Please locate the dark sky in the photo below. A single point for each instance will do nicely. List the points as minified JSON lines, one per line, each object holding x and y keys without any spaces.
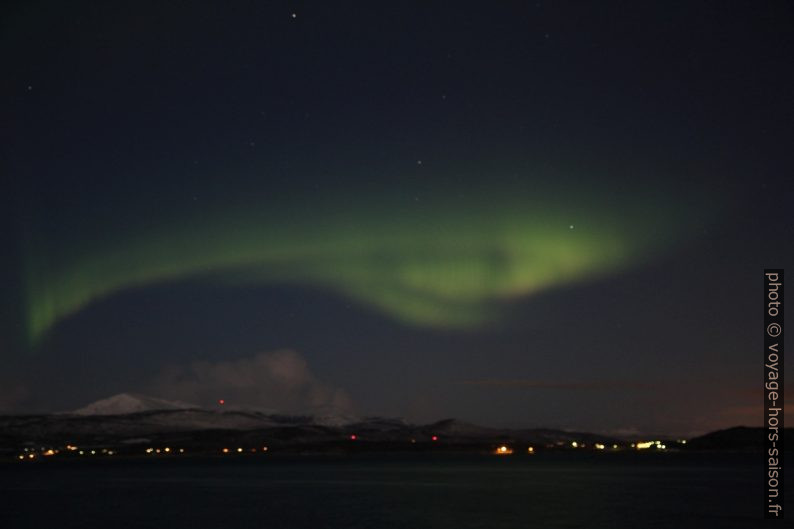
{"x":526,"y":214}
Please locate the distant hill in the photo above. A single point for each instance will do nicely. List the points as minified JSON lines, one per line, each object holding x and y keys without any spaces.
{"x":737,"y":438}
{"x":206,"y":431}
{"x":126,"y":422}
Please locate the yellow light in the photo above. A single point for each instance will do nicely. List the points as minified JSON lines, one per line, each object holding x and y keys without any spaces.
{"x":157,"y":451}
{"x":615,"y":447}
{"x":644,"y":445}
{"x":93,"y":452}
{"x":167,"y":449}
{"x":181,"y":450}
{"x":264,"y":449}
{"x":503,"y":450}
{"x":81,"y":452}
{"x":225,"y":450}
{"x":49,"y":452}
{"x":32,"y":456}
{"x":599,"y":446}
{"x":71,"y":447}
{"x":149,"y":450}
{"x":111,"y":452}
{"x":21,"y":456}
{"x":531,"y":450}
{"x":574,"y":444}
{"x":239,"y":450}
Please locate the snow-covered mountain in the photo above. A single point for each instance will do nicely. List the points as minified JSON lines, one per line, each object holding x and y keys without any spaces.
{"x":135,"y":413}
{"x":124,"y":403}
{"x":128,"y":420}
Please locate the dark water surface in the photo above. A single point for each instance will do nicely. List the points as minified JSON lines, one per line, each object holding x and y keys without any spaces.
{"x":553,"y":490}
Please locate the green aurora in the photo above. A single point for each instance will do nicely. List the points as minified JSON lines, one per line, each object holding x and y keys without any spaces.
{"x":446,"y":260}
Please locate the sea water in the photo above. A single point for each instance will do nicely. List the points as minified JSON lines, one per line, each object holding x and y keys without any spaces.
{"x":443,"y":491}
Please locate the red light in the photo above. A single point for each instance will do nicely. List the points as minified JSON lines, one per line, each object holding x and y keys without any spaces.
{"x":435,"y":438}
{"x":221,"y":402}
{"x":353,"y":437}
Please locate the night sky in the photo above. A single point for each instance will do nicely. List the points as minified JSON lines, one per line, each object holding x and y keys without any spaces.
{"x":517,"y":214}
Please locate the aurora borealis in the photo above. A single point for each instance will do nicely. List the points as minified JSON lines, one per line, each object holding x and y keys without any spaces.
{"x":445,"y":262}
{"x":571,"y":203}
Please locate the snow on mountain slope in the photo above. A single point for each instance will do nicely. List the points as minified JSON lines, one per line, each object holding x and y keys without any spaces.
{"x":130,"y":403}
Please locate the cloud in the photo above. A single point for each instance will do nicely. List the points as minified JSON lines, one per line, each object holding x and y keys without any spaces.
{"x":278,"y":381}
